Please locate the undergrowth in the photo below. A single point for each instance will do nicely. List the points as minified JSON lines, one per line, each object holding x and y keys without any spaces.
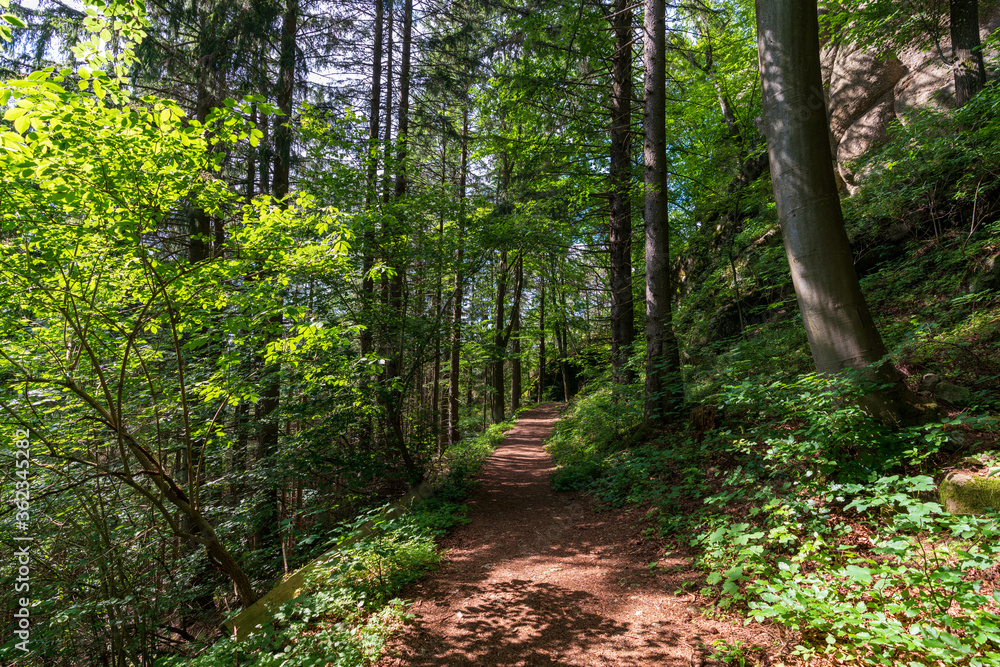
{"x":349,"y":605}
{"x":803,"y":511}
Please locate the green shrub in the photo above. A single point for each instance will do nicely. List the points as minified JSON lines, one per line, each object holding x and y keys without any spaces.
{"x":915,"y":599}
{"x":349,"y":608}
{"x":587,"y":437}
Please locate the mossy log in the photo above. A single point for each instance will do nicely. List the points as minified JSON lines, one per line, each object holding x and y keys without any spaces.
{"x":259,"y":614}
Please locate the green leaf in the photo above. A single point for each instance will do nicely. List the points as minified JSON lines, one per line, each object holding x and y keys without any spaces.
{"x":14,"y":21}
{"x":98,"y":89}
{"x":862,"y":574}
{"x":22,"y":123}
{"x":15,"y":113}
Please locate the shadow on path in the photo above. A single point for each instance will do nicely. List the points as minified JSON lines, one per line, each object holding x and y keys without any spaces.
{"x":538,"y":578}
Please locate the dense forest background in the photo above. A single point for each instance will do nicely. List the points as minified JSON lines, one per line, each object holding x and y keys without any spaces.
{"x":268,"y":264}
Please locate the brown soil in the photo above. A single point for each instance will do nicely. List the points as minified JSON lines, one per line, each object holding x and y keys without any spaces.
{"x":540,"y":577}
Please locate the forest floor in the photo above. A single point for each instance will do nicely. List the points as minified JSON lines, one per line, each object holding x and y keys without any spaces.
{"x":540,"y":577}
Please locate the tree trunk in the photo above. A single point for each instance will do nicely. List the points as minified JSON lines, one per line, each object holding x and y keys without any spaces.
{"x":620,"y":240}
{"x":286,"y":87}
{"x":541,"y":342}
{"x":515,"y":343}
{"x":202,"y":532}
{"x":664,"y":393}
{"x":387,"y":150}
{"x":454,"y":390}
{"x":839,"y":326}
{"x":199,"y":244}
{"x":252,"y":161}
{"x":970,"y":72}
{"x":270,"y":395}
{"x":564,"y":361}
{"x":499,"y":345}
{"x":397,"y":315}
{"x":440,"y":420}
{"x":559,"y":327}
{"x":264,"y":173}
{"x":368,"y":240}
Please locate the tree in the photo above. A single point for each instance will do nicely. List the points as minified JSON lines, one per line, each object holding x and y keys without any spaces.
{"x":114,"y":360}
{"x":454,"y":374}
{"x":267,"y":414}
{"x":664,"y":395}
{"x":620,"y":242}
{"x":841,"y":332}
{"x":970,"y":72}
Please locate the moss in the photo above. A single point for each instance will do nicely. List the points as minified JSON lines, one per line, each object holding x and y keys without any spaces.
{"x":966,"y":493}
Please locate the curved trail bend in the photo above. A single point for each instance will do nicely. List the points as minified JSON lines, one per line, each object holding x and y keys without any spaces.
{"x":538,"y":578}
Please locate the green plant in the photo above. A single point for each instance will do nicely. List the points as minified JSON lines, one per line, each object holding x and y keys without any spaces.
{"x":588,"y":436}
{"x":729,"y":652}
{"x":914,"y":598}
{"x":348,"y":608}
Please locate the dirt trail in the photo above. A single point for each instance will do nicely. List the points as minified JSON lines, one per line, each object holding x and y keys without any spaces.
{"x":538,"y":578}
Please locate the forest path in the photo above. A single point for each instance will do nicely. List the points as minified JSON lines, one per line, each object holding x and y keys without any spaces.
{"x":538,"y":578}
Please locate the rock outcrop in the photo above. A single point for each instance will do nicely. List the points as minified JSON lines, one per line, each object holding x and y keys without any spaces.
{"x":969,"y":493}
{"x":866,"y":92}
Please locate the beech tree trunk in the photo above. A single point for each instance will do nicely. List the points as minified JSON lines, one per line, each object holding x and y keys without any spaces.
{"x":620,"y":236}
{"x":838,"y":323}
{"x":970,"y":72}
{"x":664,"y":392}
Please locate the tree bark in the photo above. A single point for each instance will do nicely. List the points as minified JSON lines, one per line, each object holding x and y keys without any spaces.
{"x":397,"y":314}
{"x":541,"y":341}
{"x":387,"y":149}
{"x":664,"y":392}
{"x":499,"y":344}
{"x":270,"y":395}
{"x":368,"y":239}
{"x":264,"y":173}
{"x":838,"y":323}
{"x":515,"y":343}
{"x":252,"y":161}
{"x":199,"y":239}
{"x":440,"y":420}
{"x":286,"y":88}
{"x":454,"y":390}
{"x":970,"y":72}
{"x":620,"y":236}
{"x":561,"y":347}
